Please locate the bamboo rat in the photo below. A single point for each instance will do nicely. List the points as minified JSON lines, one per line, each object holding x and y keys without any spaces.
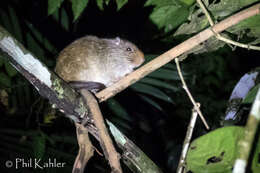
{"x":94,"y":63}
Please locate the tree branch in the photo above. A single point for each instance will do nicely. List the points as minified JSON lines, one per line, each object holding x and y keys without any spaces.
{"x":187,"y":140}
{"x":139,"y":161}
{"x":246,"y":142}
{"x":105,"y":140}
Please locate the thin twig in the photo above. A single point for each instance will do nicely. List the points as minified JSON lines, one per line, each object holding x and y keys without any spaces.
{"x":185,"y":87}
{"x":220,"y":37}
{"x":202,"y":6}
{"x":187,"y":140}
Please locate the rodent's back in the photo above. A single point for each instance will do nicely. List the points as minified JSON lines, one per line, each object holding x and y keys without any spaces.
{"x":99,"y":60}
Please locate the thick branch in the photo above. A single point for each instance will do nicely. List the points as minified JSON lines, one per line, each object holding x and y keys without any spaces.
{"x":105,"y":140}
{"x":176,"y":51}
{"x":245,"y":144}
{"x":139,"y":161}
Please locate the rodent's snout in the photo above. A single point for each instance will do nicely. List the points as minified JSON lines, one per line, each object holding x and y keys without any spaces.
{"x":139,"y":58}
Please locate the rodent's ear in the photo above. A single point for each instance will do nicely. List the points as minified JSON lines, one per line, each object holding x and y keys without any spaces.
{"x":117,"y":40}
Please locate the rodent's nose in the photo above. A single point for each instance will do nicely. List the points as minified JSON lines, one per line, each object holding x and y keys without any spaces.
{"x":139,"y":58}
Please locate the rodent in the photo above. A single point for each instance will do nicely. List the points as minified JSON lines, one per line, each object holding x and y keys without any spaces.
{"x":98,"y":60}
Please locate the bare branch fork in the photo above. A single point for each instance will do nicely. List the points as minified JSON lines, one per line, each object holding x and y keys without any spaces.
{"x":195,"y":112}
{"x":185,"y":87}
{"x":68,"y":101}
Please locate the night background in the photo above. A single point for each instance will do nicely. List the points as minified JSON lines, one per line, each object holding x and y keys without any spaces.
{"x":154,"y":112}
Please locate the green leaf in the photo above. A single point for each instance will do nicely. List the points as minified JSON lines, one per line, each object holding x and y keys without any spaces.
{"x":34,"y":46}
{"x":157,"y":3}
{"x":64,"y":19}
{"x":124,"y":126}
{"x":20,"y":93}
{"x":5,"y":80}
{"x":5,"y":19}
{"x":149,"y":57}
{"x":215,"y":151}
{"x":121,"y":3}
{"x":13,"y":132}
{"x":250,"y":97}
{"x":118,"y":110}
{"x":187,"y":2}
{"x":37,"y":43}
{"x":255,"y":163}
{"x":11,"y":71}
{"x":10,"y":145}
{"x":27,"y":94}
{"x":2,"y":59}
{"x":49,"y":117}
{"x":252,"y":25}
{"x":15,"y":24}
{"x":170,"y":66}
{"x":147,"y":89}
{"x":78,"y":7}
{"x":151,"y":102}
{"x":56,"y":16}
{"x":158,"y":83}
{"x":62,"y":138}
{"x":219,"y":10}
{"x":212,"y":80}
{"x":53,"y":5}
{"x":38,"y":145}
{"x":165,"y":74}
{"x":167,"y":14}
{"x":106,"y":2}
{"x":100,"y":4}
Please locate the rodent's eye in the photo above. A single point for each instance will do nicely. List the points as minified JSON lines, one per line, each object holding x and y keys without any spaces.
{"x":128,"y":49}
